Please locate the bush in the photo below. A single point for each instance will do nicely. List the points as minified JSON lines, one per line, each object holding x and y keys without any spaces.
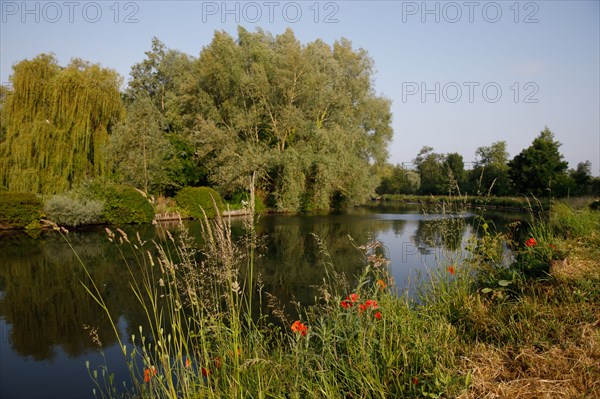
{"x":19,"y":210}
{"x":69,"y":211}
{"x":191,"y":201}
{"x":122,"y":204}
{"x":126,"y":205}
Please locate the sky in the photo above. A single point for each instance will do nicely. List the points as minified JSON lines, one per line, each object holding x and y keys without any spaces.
{"x":460,"y":74}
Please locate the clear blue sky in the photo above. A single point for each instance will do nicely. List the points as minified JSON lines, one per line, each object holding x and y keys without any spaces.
{"x":500,"y":70}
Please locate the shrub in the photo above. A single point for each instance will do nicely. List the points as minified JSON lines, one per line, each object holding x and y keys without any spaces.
{"x":69,"y":211}
{"x":19,"y":210}
{"x":126,"y":205}
{"x":191,"y":201}
{"x":122,"y":204}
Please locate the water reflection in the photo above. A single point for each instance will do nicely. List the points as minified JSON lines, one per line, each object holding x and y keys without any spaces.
{"x":44,"y":307}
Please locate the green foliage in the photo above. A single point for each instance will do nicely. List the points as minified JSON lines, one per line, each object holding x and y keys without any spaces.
{"x":68,"y":210}
{"x":490,"y":174}
{"x":582,"y":179}
{"x":139,"y":150}
{"x":122,"y":204}
{"x":455,"y":169}
{"x":399,"y":180}
{"x":539,"y":169}
{"x":192,"y":200}
{"x":432,"y":172}
{"x":56,"y":122}
{"x":19,"y":210}
{"x":303,"y":119}
{"x":126,"y":205}
{"x":241,"y":199}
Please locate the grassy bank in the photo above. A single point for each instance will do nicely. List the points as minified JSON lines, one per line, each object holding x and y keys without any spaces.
{"x":483,"y":202}
{"x":493,"y":324}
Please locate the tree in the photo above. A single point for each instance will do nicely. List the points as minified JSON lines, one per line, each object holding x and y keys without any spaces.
{"x":302,"y":121}
{"x":432,"y":172}
{"x":57,"y":121}
{"x":140,"y":151}
{"x":490,"y":173}
{"x":539,"y":169}
{"x":582,"y":178}
{"x":455,"y":172}
{"x":399,"y":180}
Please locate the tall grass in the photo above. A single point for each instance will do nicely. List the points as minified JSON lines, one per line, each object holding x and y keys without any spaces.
{"x":361,"y":339}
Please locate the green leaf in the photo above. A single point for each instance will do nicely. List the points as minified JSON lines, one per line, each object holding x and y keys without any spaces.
{"x":504,"y":283}
{"x":486,"y":290}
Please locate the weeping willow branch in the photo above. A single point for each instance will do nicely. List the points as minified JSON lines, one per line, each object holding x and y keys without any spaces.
{"x":57,"y":120}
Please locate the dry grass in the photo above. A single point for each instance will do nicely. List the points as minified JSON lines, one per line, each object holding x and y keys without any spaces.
{"x":572,"y":371}
{"x":568,"y":369}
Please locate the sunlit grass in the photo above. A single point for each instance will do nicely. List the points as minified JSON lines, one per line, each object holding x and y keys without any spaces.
{"x":361,"y":338}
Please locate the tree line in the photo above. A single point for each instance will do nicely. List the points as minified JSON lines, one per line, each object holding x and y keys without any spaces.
{"x":300,"y":122}
{"x":538,"y":170}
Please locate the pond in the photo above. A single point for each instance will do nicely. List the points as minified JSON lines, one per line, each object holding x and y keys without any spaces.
{"x":46,"y":316}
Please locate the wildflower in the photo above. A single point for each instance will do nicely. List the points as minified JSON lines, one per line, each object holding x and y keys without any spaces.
{"x":362,"y":307}
{"x":188,"y":363}
{"x":451,"y":270}
{"x":371,"y":303}
{"x":382,"y":284}
{"x":346,"y":304}
{"x":531,"y":242}
{"x":205,"y":372}
{"x":552,"y":246}
{"x":298,"y":327}
{"x":378,"y":315}
{"x":149,"y":373}
{"x":218,"y":362}
{"x":353,"y":297}
{"x":414,"y":380}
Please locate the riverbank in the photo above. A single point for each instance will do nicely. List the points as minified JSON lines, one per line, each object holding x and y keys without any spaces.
{"x":488,"y":325}
{"x":522,"y":204}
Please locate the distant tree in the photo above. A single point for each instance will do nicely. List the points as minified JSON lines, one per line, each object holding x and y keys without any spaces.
{"x":582,"y":178}
{"x":399,"y":180}
{"x":539,"y":169}
{"x":455,"y":172}
{"x":432,"y":172}
{"x":490,"y":173}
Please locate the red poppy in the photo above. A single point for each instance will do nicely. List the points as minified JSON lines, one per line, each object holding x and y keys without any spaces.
{"x":298,"y":327}
{"x":531,"y":242}
{"x":552,"y":246}
{"x":378,"y":315}
{"x":346,"y":304}
{"x":205,"y":372}
{"x":414,"y":380}
{"x":188,"y":363}
{"x":149,"y":373}
{"x":451,"y":270}
{"x":353,"y":297}
{"x":371,"y":303}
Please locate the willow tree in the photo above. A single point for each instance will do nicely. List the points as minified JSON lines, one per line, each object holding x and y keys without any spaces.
{"x":57,"y":121}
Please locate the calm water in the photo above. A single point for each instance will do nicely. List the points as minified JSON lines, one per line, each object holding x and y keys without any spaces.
{"x":44,"y":309}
